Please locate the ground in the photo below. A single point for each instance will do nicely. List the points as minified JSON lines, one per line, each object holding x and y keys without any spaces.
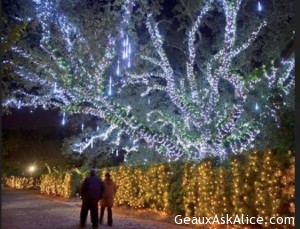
{"x":28,"y":209}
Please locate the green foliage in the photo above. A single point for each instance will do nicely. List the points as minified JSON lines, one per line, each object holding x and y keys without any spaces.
{"x":73,"y":183}
{"x":13,"y":34}
{"x":176,"y":189}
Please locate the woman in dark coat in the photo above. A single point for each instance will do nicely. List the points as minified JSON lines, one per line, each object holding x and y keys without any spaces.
{"x":110,"y":189}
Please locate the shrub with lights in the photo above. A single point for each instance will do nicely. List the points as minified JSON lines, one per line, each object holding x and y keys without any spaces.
{"x":254,"y":184}
{"x":65,"y":184}
{"x":21,"y":182}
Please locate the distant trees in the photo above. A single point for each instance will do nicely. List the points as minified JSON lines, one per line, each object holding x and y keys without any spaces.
{"x":22,"y":148}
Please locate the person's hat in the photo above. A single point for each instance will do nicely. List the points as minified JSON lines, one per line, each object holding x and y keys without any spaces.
{"x":93,"y":171}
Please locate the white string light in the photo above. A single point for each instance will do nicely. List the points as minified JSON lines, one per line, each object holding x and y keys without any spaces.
{"x":110,"y":87}
{"x":259,"y":6}
{"x":63,"y":122}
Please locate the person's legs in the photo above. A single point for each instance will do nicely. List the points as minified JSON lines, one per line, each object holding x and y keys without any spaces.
{"x":83,"y":213}
{"x":101,"y":214}
{"x":94,"y":213}
{"x":109,"y":216}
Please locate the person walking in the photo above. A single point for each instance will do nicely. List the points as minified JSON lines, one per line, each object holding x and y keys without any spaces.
{"x":110,"y":190}
{"x":91,"y":192}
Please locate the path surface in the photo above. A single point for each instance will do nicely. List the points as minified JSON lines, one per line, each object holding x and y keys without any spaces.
{"x":27,"y":209}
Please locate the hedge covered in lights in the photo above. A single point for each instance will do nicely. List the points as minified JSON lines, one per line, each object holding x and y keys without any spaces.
{"x":259,"y":184}
{"x":255,"y":184}
{"x":21,"y":182}
{"x":61,"y":184}
{"x":65,"y":184}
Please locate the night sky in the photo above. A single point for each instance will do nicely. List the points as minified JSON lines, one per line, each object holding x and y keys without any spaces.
{"x":23,"y":118}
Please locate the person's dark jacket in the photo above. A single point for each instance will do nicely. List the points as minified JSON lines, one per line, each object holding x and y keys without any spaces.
{"x":92,"y":188}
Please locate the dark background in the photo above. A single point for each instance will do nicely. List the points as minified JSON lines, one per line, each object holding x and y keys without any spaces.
{"x":31,"y":119}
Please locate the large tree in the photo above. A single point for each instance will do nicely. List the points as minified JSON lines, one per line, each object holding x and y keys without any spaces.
{"x":198,"y":81}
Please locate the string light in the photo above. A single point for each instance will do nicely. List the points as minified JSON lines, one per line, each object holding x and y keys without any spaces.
{"x":63,"y":122}
{"x":110,"y":87}
{"x":118,"y":68}
{"x":128,"y":63}
{"x":259,"y":6}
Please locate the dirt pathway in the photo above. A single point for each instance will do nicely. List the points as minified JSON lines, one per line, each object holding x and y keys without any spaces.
{"x":27,"y":209}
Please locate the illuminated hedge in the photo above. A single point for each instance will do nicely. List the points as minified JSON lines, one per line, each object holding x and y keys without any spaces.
{"x":61,"y":184}
{"x":141,"y":186}
{"x":255,"y":184}
{"x":21,"y":182}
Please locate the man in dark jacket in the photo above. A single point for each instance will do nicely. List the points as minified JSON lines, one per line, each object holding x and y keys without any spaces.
{"x":91,"y":192}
